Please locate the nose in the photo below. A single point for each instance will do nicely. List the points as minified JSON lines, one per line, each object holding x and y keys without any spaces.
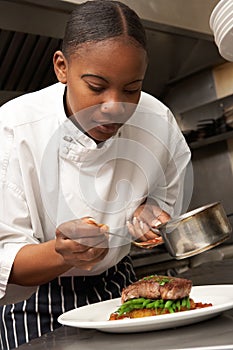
{"x":113,"y":108}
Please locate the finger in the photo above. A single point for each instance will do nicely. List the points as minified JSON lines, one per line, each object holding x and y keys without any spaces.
{"x":104,"y":228}
{"x":145,"y":232}
{"x":100,"y":241}
{"x":151,"y":216}
{"x":135,"y":229}
{"x":160,"y":217}
{"x":77,"y":228}
{"x":147,"y":218}
{"x":91,"y":256}
{"x":87,"y":260}
{"x":155,"y":223}
{"x":155,"y":240}
{"x":94,"y":240}
{"x":89,"y":265}
{"x":146,"y":215}
{"x":144,"y":227}
{"x":89,"y":220}
{"x":154,"y":215}
{"x":81,"y":245}
{"x":60,"y":235}
{"x":151,"y":235}
{"x":69,"y":246}
{"x":131,"y":229}
{"x":138,"y":227}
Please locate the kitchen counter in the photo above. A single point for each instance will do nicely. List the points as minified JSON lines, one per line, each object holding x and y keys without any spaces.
{"x":213,"y":334}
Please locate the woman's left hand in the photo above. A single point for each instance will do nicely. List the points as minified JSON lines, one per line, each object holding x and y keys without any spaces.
{"x":146,"y":217}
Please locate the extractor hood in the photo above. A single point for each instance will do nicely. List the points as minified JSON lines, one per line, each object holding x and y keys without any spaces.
{"x":179,"y":38}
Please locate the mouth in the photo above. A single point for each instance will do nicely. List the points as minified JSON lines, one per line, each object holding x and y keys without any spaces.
{"x":107,"y":128}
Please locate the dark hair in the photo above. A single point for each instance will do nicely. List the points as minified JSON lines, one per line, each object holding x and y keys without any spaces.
{"x":98,"y":20}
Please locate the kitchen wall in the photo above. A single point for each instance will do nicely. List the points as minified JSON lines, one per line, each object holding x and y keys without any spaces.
{"x":198,"y":98}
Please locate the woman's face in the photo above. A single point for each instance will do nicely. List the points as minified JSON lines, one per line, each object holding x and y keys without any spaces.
{"x":104,"y":82}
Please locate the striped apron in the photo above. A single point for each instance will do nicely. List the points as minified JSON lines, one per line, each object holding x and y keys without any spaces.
{"x":21,"y":322}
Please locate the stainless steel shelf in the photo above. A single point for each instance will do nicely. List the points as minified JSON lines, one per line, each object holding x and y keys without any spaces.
{"x":210,"y":140}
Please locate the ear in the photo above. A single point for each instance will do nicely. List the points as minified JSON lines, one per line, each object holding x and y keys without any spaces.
{"x":60,"y":66}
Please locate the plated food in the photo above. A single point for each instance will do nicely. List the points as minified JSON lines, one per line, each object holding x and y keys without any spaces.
{"x":96,"y":316}
{"x":156,"y":295}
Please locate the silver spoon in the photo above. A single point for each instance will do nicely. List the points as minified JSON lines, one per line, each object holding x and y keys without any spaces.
{"x":151,"y":243}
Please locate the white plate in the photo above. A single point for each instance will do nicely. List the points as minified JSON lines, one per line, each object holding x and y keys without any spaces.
{"x":96,"y":316}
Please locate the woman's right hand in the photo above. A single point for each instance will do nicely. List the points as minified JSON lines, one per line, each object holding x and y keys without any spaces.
{"x":82,"y":242}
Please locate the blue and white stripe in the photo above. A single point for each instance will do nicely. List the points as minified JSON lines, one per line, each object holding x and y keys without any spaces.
{"x":21,"y":322}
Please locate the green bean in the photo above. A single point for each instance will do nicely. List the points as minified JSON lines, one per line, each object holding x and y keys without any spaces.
{"x":147,"y":301}
{"x":183,"y":302}
{"x":168,"y":304}
{"x":128,"y":302}
{"x":141,"y":303}
{"x":150,"y":305}
{"x":120,"y":311}
{"x":125,"y":310}
{"x":178,"y":305}
{"x":170,"y":309}
{"x":124,"y":306}
{"x":138,"y":300}
{"x":137,"y":306}
{"x":157,"y":303}
{"x":161,"y":303}
{"x":129,"y":305}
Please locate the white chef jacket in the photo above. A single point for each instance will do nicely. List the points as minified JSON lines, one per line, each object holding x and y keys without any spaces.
{"x":51,"y":172}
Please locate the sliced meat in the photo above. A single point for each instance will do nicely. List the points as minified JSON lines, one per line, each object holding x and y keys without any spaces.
{"x":158,"y":287}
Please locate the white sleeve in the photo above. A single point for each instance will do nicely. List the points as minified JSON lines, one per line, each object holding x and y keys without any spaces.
{"x":15,"y":222}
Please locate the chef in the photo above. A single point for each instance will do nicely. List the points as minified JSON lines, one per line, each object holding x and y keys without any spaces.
{"x":86,"y":158}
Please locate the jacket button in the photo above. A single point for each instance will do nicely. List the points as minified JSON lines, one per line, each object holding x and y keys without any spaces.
{"x":67,"y":138}
{"x":65,"y":150}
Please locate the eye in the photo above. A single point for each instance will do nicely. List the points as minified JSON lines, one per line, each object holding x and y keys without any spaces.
{"x":131,"y":92}
{"x":95,"y":88}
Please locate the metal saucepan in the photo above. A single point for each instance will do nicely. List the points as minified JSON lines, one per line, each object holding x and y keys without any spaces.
{"x":196,"y":231}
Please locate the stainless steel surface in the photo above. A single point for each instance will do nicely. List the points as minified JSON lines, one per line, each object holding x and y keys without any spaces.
{"x":212,"y":333}
{"x":196,"y":231}
{"x":180,"y":14}
{"x":157,"y":260}
{"x":199,"y":91}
